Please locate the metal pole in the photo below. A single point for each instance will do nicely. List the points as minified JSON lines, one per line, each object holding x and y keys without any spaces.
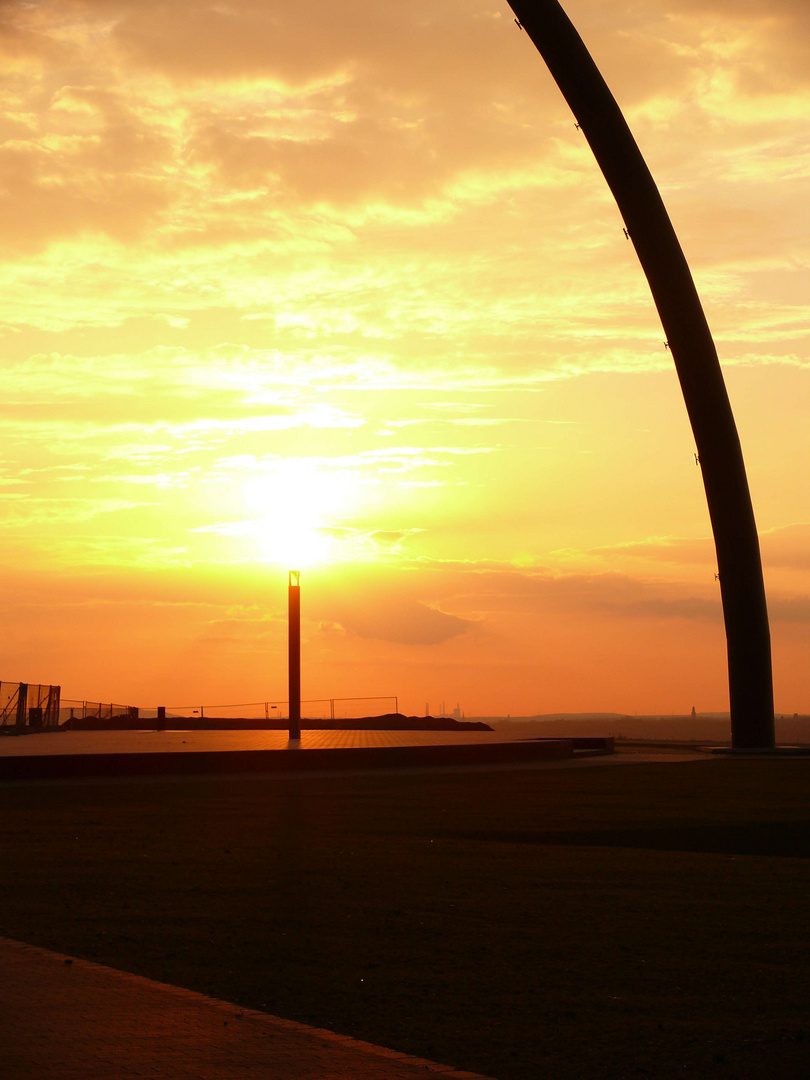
{"x":294,"y":652}
{"x":22,"y":705}
{"x":690,"y":341}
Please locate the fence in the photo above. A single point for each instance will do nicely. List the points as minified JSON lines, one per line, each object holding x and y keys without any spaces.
{"x":97,"y":710}
{"x":325,"y":709}
{"x":316,"y":709}
{"x":32,"y":705}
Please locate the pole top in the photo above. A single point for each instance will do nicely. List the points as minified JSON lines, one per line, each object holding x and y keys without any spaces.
{"x":295,"y":578}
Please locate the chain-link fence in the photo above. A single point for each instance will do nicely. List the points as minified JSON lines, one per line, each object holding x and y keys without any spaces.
{"x":34,"y":706}
{"x":28,"y":705}
{"x":73,"y":709}
{"x":76,"y":713}
{"x":331,"y":709}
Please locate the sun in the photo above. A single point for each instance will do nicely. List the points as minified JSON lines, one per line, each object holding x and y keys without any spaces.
{"x":293,"y":546}
{"x":296,"y":502}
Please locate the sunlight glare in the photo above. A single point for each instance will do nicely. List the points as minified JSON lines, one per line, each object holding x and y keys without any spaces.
{"x":295,"y":499}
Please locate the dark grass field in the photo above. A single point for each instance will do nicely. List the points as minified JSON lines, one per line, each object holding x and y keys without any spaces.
{"x":621,"y":921}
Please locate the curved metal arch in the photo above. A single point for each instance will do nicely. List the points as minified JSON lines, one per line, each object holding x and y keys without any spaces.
{"x":739,"y":561}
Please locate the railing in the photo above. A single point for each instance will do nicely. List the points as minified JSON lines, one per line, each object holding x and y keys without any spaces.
{"x":314,"y":709}
{"x":34,"y":706}
{"x":326,"y":709}
{"x":97,"y":710}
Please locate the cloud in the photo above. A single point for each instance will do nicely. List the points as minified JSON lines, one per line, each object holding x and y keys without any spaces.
{"x":330,"y":102}
{"x":787,"y":547}
{"x":608,"y":594}
{"x":401,"y":621}
{"x":491,"y":591}
{"x":348,"y":177}
{"x":792,"y":609}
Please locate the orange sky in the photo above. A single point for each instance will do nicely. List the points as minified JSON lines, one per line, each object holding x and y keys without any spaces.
{"x":338,"y":284}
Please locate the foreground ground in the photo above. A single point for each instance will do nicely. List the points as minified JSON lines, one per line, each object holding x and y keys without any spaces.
{"x":617,"y":921}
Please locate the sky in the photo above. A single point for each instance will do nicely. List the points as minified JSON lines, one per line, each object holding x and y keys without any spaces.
{"x":337,"y":286}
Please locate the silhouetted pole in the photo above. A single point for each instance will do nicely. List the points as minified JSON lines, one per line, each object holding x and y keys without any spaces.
{"x":688,"y":337}
{"x":294,"y":647}
{"x":22,"y":705}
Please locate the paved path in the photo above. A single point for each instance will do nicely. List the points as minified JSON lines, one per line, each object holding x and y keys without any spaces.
{"x":176,"y":742}
{"x":67,"y":1019}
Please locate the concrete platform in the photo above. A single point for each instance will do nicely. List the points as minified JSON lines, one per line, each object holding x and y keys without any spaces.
{"x":68,"y":1019}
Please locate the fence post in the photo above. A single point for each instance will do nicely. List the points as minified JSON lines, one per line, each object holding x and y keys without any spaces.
{"x":22,"y":704}
{"x":54,"y":696}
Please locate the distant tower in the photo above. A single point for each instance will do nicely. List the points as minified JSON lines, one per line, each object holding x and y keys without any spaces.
{"x":694,"y":714}
{"x":294,"y":651}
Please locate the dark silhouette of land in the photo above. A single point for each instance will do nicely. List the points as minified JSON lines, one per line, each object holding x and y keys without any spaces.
{"x":386,"y":722}
{"x":581,"y":922}
{"x":704,"y":728}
